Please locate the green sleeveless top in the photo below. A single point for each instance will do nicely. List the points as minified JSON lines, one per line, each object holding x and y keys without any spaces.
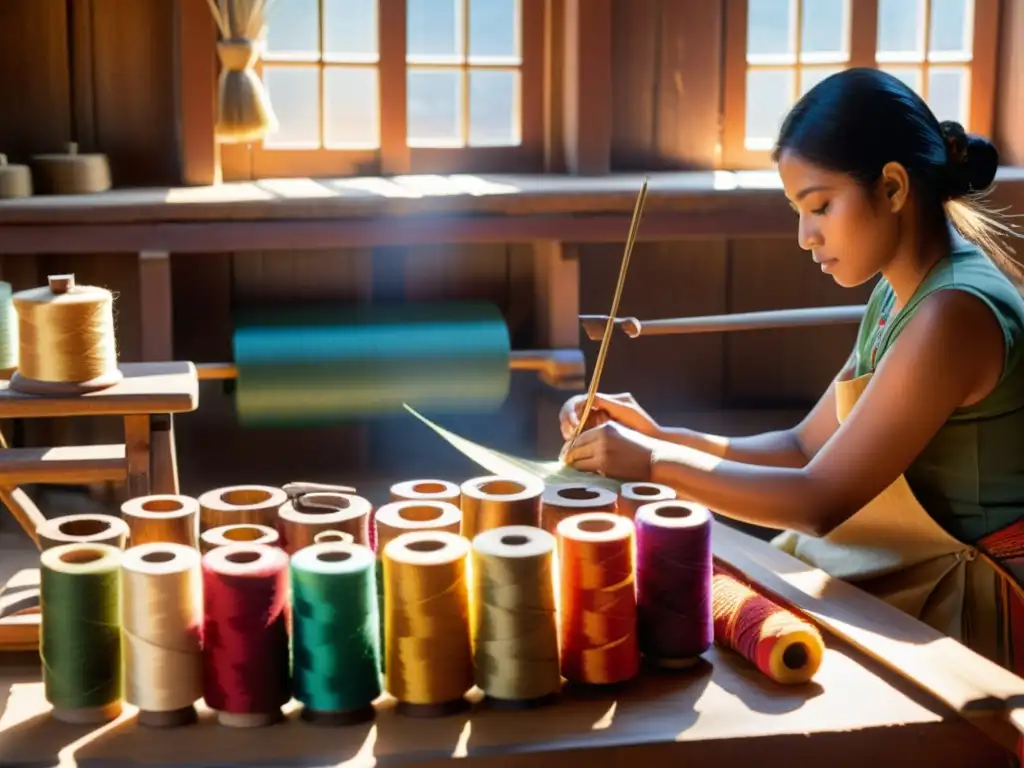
{"x":970,"y":477}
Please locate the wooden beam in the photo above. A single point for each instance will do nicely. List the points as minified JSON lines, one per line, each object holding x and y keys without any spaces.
{"x":1009,"y":100}
{"x":587,"y":81}
{"x":195,"y":69}
{"x":62,"y":465}
{"x":557,"y":291}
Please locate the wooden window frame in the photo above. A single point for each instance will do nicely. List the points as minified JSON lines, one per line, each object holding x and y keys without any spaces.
{"x":863,"y":28}
{"x":394,"y":157}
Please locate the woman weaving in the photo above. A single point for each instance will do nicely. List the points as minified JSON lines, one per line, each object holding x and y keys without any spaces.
{"x":902,"y":492}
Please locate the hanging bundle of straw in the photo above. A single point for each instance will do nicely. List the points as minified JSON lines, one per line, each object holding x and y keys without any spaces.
{"x":244,"y":112}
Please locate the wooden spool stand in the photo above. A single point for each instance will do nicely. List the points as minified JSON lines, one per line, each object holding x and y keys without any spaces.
{"x":146,"y":398}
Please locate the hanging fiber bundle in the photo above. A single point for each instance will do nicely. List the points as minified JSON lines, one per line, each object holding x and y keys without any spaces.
{"x":244,"y":113}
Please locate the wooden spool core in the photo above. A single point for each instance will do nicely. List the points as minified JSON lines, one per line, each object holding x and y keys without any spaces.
{"x":72,"y":173}
{"x":15,"y":180}
{"x":83,"y":529}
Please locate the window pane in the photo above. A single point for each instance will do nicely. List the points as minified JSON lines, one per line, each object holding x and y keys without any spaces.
{"x":909,"y":75}
{"x":947,"y":93}
{"x":769,"y":97}
{"x":295,"y":96}
{"x":493,"y":27}
{"x":434,"y":111}
{"x":293,"y":29}
{"x":951,"y":27}
{"x":350,"y":28}
{"x":824,"y":30}
{"x":810,"y":77}
{"x":351,"y":111}
{"x":770,"y":30}
{"x":493,"y":108}
{"x":434,"y":29}
{"x":900,"y":30}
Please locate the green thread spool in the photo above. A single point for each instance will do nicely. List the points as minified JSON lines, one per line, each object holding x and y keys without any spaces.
{"x":80,"y":638}
{"x":336,"y":649}
{"x":307,"y":365}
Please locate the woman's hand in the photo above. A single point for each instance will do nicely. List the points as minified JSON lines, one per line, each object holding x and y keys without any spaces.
{"x":619,"y":408}
{"x":613,"y":450}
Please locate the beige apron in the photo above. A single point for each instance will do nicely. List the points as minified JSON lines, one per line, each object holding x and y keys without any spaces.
{"x":893,"y":549}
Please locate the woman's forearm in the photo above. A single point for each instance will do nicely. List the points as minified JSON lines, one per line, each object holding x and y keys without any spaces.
{"x":770,"y":449}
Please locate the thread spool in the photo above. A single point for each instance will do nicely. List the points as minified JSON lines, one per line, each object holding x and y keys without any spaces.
{"x":515,"y":623}
{"x":71,"y":173}
{"x":244,"y":533}
{"x":673,"y":582}
{"x":15,"y":180}
{"x":398,"y":517}
{"x":66,"y":342}
{"x":310,"y":365}
{"x":597,"y":599}
{"x":8,"y":328}
{"x":334,"y":537}
{"x":632,"y":496}
{"x":779,"y":643}
{"x":83,"y":529}
{"x":492,"y":502}
{"x":246,"y":664}
{"x":80,"y":633}
{"x":161,"y":621}
{"x":301,"y":518}
{"x":161,"y":518}
{"x":428,"y":651}
{"x":237,"y":504}
{"x":561,"y":501}
{"x":335,"y":632}
{"x":426,"y":490}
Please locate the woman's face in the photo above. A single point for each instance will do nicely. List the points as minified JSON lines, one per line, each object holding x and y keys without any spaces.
{"x":852,"y":232}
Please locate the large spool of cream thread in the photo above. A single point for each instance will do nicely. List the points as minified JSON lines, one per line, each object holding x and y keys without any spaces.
{"x":254,"y":504}
{"x":243,"y":533}
{"x":83,"y":529}
{"x":161,"y":621}
{"x":421,"y":490}
{"x":71,"y":173}
{"x":632,"y":496}
{"x":561,"y":501}
{"x":597,"y":599}
{"x":493,"y":502}
{"x":310,"y":365}
{"x":66,"y":342}
{"x":515,"y":623}
{"x":673,"y":582}
{"x":428,"y":650}
{"x":782,"y":645}
{"x":301,"y":518}
{"x":246,"y":661}
{"x":335,"y":633}
{"x":161,"y":518}
{"x":80,"y":634}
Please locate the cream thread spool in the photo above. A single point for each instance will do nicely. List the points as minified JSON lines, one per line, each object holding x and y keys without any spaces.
{"x":632,"y":496}
{"x":426,"y":490}
{"x":72,"y":173}
{"x":562,"y":501}
{"x":493,"y":502}
{"x":83,"y":529}
{"x":243,"y":533}
{"x":161,"y":517}
{"x":66,"y":340}
{"x":161,"y":620}
{"x":398,"y":517}
{"x":15,"y":180}
{"x":301,"y":518}
{"x":253,"y":504}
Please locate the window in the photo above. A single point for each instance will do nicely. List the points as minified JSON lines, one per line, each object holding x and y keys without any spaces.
{"x":397,"y":86}
{"x":776,"y":50}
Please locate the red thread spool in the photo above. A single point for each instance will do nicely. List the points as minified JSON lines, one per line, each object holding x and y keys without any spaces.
{"x":598,"y":601}
{"x":779,"y":643}
{"x":246,"y":671}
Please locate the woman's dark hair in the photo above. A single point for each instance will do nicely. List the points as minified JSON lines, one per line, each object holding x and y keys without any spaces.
{"x":856,"y":121}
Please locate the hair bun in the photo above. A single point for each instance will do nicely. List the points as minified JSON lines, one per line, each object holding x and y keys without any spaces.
{"x":971,"y":161}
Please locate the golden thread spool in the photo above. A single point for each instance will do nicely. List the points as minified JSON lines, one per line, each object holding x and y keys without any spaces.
{"x":425,"y":490}
{"x":71,"y":173}
{"x":427,"y":642}
{"x":15,"y":180}
{"x":161,"y":621}
{"x":561,"y":501}
{"x":237,"y":504}
{"x":301,"y":518}
{"x":492,"y":502}
{"x":243,"y":533}
{"x":161,"y":518}
{"x":515,"y":622}
{"x":83,"y":529}
{"x":398,"y":517}
{"x":632,"y":496}
{"x":66,"y":341}
{"x":334,"y":537}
